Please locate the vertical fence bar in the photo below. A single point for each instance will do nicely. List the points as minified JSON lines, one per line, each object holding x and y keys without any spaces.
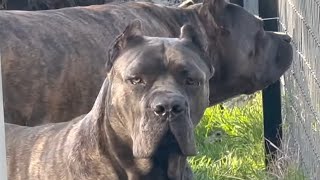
{"x":3,"y":161}
{"x":272,"y":95}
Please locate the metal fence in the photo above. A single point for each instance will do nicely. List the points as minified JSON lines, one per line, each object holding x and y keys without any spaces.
{"x":301,"y":85}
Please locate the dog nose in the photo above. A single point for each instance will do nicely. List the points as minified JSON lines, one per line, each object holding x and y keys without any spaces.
{"x":283,"y":36}
{"x":173,"y":105}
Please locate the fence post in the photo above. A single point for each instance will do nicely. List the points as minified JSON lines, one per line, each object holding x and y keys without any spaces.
{"x":272,"y":95}
{"x":3,"y":160}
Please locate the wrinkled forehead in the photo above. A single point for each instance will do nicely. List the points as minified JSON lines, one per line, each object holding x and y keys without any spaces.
{"x":161,"y":54}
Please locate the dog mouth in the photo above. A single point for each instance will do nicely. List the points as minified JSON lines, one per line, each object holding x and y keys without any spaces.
{"x":284,"y":57}
{"x":165,"y":136}
{"x":180,"y":136}
{"x":169,"y":144}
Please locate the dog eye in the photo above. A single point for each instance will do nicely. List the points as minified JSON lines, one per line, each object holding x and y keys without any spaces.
{"x":136,"y":80}
{"x":192,"y":82}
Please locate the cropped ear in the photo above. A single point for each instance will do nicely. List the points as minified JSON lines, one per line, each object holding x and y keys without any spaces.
{"x":132,"y":31}
{"x":188,"y":32}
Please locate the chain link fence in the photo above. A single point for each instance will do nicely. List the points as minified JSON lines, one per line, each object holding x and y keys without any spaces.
{"x":301,"y":85}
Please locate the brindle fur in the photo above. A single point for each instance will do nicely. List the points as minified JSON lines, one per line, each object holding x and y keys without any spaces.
{"x":53,"y":61}
{"x":122,"y":137}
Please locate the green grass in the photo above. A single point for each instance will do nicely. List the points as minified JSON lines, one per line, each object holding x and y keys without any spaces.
{"x":230,"y":144}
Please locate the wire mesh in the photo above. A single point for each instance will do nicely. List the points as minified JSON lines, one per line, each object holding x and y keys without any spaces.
{"x":301,"y":84}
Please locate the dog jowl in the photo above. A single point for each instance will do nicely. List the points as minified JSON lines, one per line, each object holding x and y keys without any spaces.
{"x":141,"y":125}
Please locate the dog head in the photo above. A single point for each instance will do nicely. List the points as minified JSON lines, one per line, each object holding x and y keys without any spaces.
{"x":248,"y":58}
{"x":159,"y":89}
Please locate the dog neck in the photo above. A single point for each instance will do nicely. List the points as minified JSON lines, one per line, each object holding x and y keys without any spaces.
{"x":88,"y":156}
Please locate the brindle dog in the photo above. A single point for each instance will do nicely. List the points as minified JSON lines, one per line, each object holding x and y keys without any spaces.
{"x":53,"y":61}
{"x":141,"y":125}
